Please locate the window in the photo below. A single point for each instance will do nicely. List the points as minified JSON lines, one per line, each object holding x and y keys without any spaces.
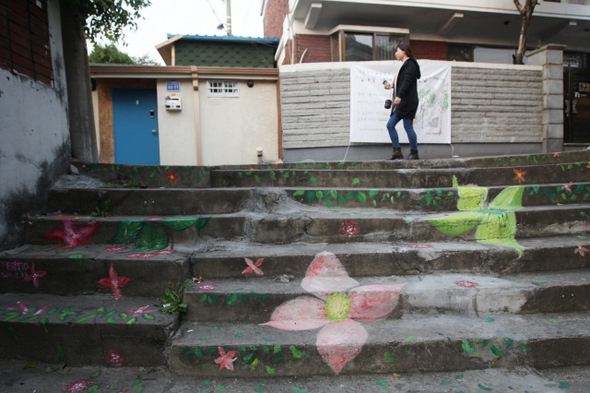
{"x":223,"y":89}
{"x":355,"y":43}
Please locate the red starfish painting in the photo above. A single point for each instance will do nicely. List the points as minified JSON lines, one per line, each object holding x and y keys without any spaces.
{"x":225,"y":360}
{"x":72,"y":234}
{"x":114,"y":282}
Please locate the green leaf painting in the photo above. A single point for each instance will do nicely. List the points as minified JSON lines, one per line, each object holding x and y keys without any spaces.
{"x":496,"y":224}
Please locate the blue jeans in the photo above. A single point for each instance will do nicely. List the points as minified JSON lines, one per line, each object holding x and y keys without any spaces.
{"x":408,"y":125}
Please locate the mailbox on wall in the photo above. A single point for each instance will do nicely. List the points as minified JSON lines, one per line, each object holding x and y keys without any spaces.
{"x":173,"y":103}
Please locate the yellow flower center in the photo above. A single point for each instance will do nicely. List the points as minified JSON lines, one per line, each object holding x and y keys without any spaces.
{"x":338,"y":306}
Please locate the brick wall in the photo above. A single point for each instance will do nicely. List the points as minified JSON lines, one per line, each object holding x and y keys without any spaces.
{"x":287,"y":59}
{"x":276,"y":10}
{"x":429,"y":50}
{"x":318,"y":48}
{"x":24,"y":39}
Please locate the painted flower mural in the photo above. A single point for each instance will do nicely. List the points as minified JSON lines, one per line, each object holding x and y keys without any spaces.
{"x":114,"y":282}
{"x":519,"y":175}
{"x":254,"y":267}
{"x":34,"y":276}
{"x":496,"y":223}
{"x":338,"y":306}
{"x":77,"y":387}
{"x":72,"y":234}
{"x":349,"y":228}
{"x":115,"y":358}
{"x":225,"y":360}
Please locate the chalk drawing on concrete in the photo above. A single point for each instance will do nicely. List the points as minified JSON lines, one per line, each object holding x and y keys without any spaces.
{"x":115,"y":358}
{"x":72,"y":234}
{"x":77,"y":386}
{"x":35,"y":276}
{"x":226,"y":360}
{"x":254,"y":267}
{"x":151,"y":235}
{"x":349,"y":228}
{"x":581,"y":250}
{"x":466,"y":284}
{"x":495,"y":224}
{"x":337,"y":307}
{"x":519,"y":175}
{"x":114,"y":282}
{"x":172,"y":176}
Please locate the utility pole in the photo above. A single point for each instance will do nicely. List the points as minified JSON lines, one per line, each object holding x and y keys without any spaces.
{"x":228,"y":20}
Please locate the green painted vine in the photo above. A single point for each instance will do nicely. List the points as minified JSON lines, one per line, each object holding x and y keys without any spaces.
{"x":232,"y":298}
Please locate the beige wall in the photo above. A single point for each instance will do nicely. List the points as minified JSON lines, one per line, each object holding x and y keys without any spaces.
{"x":233,"y":128}
{"x":178,"y":139}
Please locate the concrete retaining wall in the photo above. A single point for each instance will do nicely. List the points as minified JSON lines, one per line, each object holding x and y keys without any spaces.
{"x":490,"y":104}
{"x":35,"y":145}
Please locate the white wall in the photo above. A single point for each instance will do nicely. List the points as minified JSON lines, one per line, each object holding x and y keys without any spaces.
{"x":233,"y":128}
{"x":177,"y":135}
{"x":35,"y":144}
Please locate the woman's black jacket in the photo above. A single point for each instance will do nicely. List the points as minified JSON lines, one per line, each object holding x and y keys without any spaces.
{"x":407,"y":89}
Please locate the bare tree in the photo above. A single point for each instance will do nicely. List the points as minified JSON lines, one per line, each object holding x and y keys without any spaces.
{"x":526,"y":12}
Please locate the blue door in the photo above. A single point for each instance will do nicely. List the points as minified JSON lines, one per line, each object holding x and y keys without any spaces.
{"x":135,"y":126}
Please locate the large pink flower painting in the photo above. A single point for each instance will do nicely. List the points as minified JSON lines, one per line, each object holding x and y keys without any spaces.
{"x":340,"y":303}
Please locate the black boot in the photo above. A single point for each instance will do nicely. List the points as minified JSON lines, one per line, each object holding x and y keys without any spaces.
{"x":413,"y":155}
{"x":397,"y":154}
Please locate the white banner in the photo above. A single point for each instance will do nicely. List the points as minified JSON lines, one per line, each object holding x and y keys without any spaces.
{"x":368,"y":117}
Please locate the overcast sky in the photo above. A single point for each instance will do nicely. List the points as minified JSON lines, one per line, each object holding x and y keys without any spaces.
{"x":194,"y":17}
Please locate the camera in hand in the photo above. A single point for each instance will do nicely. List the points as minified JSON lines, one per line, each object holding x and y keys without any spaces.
{"x":388,"y":104}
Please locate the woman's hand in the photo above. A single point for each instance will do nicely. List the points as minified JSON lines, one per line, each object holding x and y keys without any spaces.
{"x":397,"y":101}
{"x":388,"y":87}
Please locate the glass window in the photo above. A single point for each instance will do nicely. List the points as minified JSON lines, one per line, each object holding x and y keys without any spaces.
{"x":368,"y":46}
{"x":223,"y":89}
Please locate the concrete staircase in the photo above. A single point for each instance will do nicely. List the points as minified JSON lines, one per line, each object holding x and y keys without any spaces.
{"x":309,"y":269}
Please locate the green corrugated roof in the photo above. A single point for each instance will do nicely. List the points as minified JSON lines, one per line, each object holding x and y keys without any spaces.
{"x":218,"y":53}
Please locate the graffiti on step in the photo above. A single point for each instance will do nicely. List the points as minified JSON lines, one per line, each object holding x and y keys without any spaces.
{"x":180,"y":173}
{"x":349,"y":228}
{"x":25,"y":313}
{"x":96,"y":383}
{"x":495,"y":224}
{"x":153,"y":235}
{"x":254,"y":267}
{"x":114,"y":282}
{"x":72,"y":234}
{"x":14,"y":269}
{"x":340,"y":304}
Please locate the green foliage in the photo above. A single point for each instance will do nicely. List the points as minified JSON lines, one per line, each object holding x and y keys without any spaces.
{"x":172,"y":301}
{"x":105,"y":211}
{"x":109,"y":54}
{"x":133,"y":184}
{"x":106,"y":18}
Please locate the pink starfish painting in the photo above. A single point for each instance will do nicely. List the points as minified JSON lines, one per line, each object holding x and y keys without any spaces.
{"x":72,"y":234}
{"x":34,"y":276}
{"x":114,"y":282}
{"x":253,"y":267}
{"x":225,"y":360}
{"x":337,"y":308}
{"x":140,"y":310}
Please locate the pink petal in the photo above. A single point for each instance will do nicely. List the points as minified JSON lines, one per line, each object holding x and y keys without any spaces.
{"x":259,"y":261}
{"x":373,"y":302}
{"x":302,"y":313}
{"x":326,"y":275}
{"x":340,"y":342}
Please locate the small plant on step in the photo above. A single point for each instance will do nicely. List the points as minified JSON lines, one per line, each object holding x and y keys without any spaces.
{"x":171,"y":301}
{"x":104,"y":212}
{"x":133,"y":184}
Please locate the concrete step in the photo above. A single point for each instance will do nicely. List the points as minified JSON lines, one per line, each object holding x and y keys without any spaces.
{"x":84,"y":330}
{"x":445,"y":199}
{"x":517,"y":379}
{"x":78,"y":270}
{"x":226,"y":260}
{"x":255,"y":299}
{"x":151,"y":176}
{"x":379,"y":225}
{"x":147,"y":233}
{"x":313,"y":225}
{"x":402,"y":178}
{"x":410,"y":344}
{"x":185,"y":201}
{"x":23,"y":377}
{"x":219,"y":201}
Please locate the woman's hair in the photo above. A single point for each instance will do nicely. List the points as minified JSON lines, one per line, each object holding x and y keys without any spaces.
{"x":406,"y":48}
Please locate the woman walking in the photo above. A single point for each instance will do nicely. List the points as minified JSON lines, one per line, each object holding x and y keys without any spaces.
{"x":405,"y":103}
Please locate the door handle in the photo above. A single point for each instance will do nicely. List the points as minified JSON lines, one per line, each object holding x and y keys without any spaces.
{"x":154,"y":132}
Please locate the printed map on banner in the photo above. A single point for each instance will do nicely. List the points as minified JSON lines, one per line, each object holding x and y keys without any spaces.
{"x":368,"y":117}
